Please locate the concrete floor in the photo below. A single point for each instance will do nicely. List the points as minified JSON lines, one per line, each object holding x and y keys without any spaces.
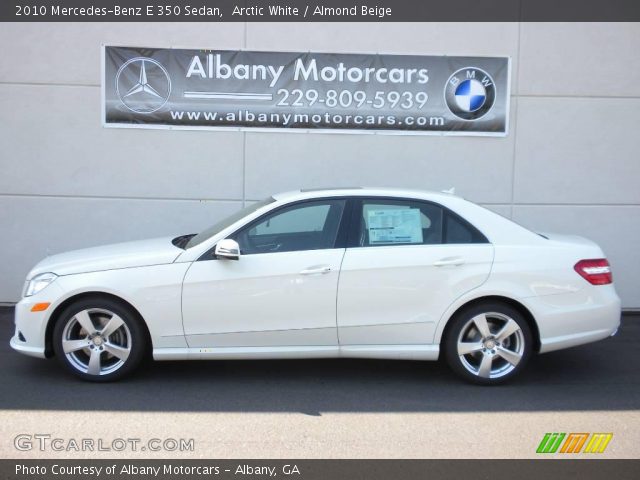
{"x":328,"y":408}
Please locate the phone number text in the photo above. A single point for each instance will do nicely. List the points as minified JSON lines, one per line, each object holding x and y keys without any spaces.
{"x":347,"y":99}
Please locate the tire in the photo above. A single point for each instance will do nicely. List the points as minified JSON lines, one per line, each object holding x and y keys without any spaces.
{"x":488,"y":344}
{"x":113,"y":348}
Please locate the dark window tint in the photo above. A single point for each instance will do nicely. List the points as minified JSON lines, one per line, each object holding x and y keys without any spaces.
{"x":304,"y":226}
{"x":412,"y":222}
{"x":459,"y":231}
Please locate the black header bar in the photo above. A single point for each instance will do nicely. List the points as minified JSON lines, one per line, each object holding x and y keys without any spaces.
{"x":319,"y":11}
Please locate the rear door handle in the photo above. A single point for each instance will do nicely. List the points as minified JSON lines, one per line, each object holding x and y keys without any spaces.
{"x":320,"y":270}
{"x":449,"y":261}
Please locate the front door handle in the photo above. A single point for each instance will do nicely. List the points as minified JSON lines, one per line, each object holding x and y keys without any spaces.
{"x":319,"y":270}
{"x":449,"y":261}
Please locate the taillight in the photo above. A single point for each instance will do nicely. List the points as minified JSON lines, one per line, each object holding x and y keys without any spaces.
{"x":596,"y":271}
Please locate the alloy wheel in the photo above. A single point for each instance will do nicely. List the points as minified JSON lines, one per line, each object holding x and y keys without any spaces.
{"x":490,"y":345}
{"x":96,"y":341}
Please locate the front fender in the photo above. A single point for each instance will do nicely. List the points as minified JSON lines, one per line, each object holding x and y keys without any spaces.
{"x":154,"y":291}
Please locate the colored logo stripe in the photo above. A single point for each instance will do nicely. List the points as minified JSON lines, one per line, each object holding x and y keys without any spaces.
{"x":550,"y":443}
{"x":598,"y":442}
{"x":574,"y":442}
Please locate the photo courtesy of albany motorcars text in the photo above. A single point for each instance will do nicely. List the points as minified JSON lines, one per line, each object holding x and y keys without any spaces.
{"x":352,"y":272}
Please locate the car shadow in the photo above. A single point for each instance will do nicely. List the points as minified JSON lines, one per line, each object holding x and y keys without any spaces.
{"x":601,"y":376}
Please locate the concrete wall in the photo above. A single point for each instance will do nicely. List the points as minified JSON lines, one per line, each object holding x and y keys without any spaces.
{"x":569,"y":164}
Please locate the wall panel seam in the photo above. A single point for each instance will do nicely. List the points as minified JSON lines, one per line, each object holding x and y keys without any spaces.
{"x":106,"y":197}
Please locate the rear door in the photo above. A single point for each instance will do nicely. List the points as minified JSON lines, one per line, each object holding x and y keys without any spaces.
{"x":407,"y":261}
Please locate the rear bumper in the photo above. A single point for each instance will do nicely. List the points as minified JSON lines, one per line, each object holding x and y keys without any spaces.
{"x":576,"y":318}
{"x":567,"y":341}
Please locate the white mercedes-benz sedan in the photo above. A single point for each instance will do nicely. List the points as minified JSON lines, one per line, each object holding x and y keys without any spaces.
{"x":353,"y":272}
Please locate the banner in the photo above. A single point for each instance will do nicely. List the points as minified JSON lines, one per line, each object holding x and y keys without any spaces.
{"x":305,"y":91}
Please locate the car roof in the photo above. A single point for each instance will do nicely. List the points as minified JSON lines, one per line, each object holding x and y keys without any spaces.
{"x":360,"y":192}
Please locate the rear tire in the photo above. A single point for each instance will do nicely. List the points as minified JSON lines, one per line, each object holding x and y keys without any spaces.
{"x":99,"y":340}
{"x":488,"y":344}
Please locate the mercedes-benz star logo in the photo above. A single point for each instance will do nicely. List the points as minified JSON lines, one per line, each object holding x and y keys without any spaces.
{"x":143,"y":85}
{"x":470,"y":93}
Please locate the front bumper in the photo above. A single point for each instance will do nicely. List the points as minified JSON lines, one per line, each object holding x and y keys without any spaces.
{"x":22,"y":347}
{"x":30,"y":333}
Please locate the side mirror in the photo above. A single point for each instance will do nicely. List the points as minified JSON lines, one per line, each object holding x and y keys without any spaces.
{"x":228,"y":248}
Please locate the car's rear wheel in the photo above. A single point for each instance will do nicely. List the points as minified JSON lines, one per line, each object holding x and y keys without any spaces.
{"x":488,"y":344}
{"x":99,"y":340}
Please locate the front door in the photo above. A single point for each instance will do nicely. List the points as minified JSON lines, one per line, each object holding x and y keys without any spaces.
{"x":282,"y":290}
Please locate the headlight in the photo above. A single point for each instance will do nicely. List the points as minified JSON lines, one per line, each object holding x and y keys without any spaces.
{"x":39,"y":283}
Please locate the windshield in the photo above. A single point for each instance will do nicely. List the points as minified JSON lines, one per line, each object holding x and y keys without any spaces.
{"x":230,"y":220}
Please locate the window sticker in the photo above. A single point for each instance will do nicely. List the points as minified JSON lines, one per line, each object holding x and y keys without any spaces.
{"x":393,"y":226}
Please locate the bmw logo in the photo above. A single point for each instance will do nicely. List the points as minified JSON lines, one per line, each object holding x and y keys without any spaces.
{"x":470,"y":93}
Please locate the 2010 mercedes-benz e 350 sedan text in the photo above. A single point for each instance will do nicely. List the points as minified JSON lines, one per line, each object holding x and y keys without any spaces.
{"x":368,"y":273}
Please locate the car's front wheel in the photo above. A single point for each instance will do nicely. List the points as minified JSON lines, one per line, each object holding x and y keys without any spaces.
{"x":99,"y":339}
{"x":488,"y":344}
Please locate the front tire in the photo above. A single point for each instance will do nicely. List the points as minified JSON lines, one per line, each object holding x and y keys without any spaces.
{"x":99,"y":340}
{"x":488,"y":344}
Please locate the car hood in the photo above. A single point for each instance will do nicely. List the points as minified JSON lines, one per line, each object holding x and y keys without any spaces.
{"x":110,"y":257}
